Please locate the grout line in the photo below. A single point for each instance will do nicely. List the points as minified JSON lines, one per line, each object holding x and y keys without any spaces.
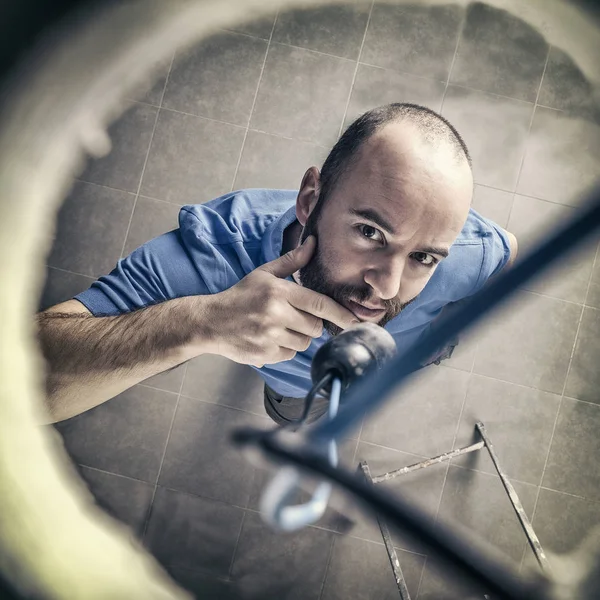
{"x":437,"y":511}
{"x":494,"y":94}
{"x":341,"y":129}
{"x":137,"y":194}
{"x":242,"y":410}
{"x":235,"y":548}
{"x":262,"y":70}
{"x":103,"y":185}
{"x":162,"y":460}
{"x":537,"y":96}
{"x":421,"y":577}
{"x":592,"y":500}
{"x":315,"y":52}
{"x":447,"y":82}
{"x":587,"y":294}
{"x":72,"y":272}
{"x":538,"y":198}
{"x":560,"y":404}
{"x":327,"y":564}
{"x":115,"y":474}
{"x":460,"y":416}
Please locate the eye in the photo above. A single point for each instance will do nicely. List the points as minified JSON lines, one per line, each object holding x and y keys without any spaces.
{"x":370,"y":232}
{"x":425,"y":259}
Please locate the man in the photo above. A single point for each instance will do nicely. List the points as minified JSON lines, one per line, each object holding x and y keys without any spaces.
{"x":384,"y":233}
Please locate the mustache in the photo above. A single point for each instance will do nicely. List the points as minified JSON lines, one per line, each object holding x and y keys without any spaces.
{"x":362,"y":294}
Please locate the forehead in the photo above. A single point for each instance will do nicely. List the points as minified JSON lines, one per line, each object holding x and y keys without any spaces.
{"x":413,"y":183}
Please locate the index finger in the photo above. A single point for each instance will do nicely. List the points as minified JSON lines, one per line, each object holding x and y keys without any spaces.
{"x":322,"y":306}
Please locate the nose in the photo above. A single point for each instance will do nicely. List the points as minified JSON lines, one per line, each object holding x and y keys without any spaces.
{"x":385,"y":278}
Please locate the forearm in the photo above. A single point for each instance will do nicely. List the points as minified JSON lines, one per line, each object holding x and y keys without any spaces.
{"x":92,"y":359}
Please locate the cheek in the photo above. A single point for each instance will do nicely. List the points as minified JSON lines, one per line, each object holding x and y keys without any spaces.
{"x":343,"y":267}
{"x":413,"y":283}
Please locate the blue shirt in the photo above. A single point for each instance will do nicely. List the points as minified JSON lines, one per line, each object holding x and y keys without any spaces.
{"x":221,"y":241}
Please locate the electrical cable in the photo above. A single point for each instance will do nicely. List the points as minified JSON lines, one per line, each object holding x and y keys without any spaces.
{"x":277,"y":501}
{"x":308,"y":401}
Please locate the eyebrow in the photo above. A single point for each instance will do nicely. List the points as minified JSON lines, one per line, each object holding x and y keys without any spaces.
{"x":372,"y":215}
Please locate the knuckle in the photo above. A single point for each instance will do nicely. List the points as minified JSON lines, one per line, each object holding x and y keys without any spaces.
{"x":317,"y":329}
{"x":319,"y":304}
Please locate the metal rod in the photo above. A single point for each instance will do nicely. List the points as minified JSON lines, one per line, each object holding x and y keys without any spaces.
{"x":427,"y":463}
{"x":532,"y":538}
{"x":387,"y":540}
{"x":483,"y":565}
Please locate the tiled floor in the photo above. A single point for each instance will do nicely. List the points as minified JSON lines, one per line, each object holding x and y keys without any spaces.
{"x":256,"y":108}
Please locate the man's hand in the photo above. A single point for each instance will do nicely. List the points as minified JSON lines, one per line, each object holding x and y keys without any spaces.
{"x":265,"y":319}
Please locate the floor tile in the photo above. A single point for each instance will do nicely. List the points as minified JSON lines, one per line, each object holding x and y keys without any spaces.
{"x":153,"y":93}
{"x":185,"y":166}
{"x":91,"y":228}
{"x":495,"y":130}
{"x":257,"y":25}
{"x":413,"y":39}
{"x":593,"y":296}
{"x":336,"y":29}
{"x":562,"y":159}
{"x":583,"y":381}
{"x":565,"y":87}
{"x":572,"y":464}
{"x":499,"y":53}
{"x":493,"y":204}
{"x":430,"y":403}
{"x":441,"y":583}
{"x":423,"y":487}
{"x":217,"y":78}
{"x":274,"y":162}
{"x":128,"y":500}
{"x":202,"y":585}
{"x":169,"y":380}
{"x":61,"y":286}
{"x":361,"y":570}
{"x":130,"y":137}
{"x":283,"y":566}
{"x":533,"y":221}
{"x":194,"y":533}
{"x":528,"y":341}
{"x":150,"y":219}
{"x":562,"y":523}
{"x":463,"y":356}
{"x":126,"y":435}
{"x":519,"y":421}
{"x":201,"y":458}
{"x":375,"y":86}
{"x":297,"y":83}
{"x":479,"y":503}
{"x":218,"y":380}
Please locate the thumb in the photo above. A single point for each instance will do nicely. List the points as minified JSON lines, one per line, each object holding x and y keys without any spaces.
{"x":291,"y":261}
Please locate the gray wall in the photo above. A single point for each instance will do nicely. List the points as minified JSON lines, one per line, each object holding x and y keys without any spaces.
{"x":255,"y":108}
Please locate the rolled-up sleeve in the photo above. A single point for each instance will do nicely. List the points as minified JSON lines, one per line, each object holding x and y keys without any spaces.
{"x":157,"y":271}
{"x":496,"y":253}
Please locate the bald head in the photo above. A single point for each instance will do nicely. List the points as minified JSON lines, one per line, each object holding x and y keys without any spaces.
{"x":403,"y":159}
{"x":433,"y":129}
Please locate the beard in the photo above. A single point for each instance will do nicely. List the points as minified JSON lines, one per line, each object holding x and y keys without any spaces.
{"x":317,"y":276}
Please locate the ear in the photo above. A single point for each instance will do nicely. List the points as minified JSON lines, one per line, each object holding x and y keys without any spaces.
{"x":308,"y":196}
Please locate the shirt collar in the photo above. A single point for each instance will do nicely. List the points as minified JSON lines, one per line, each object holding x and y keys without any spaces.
{"x":273,"y":238}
